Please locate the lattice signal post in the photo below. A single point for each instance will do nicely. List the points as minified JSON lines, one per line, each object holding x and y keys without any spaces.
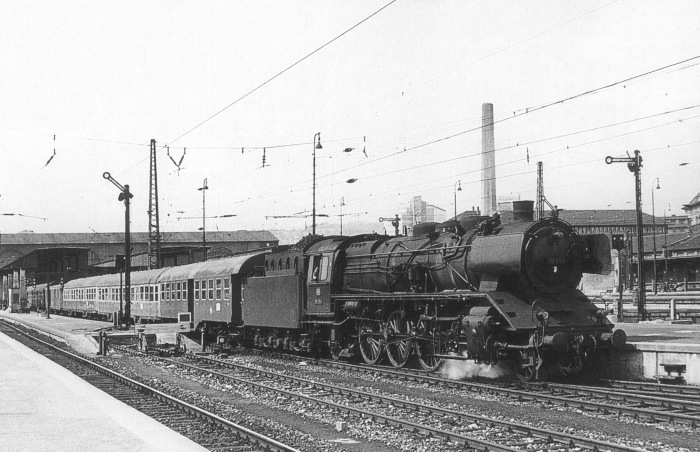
{"x":634,"y":164}
{"x":153,"y":222}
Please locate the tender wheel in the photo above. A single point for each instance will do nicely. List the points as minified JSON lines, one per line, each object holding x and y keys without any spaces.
{"x":427,"y":346}
{"x":370,"y":339}
{"x":399,"y":344}
{"x":528,"y":363}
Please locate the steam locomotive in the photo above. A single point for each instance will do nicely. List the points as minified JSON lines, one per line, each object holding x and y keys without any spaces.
{"x":478,"y":289}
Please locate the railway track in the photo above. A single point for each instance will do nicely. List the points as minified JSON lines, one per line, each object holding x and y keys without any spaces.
{"x":640,"y":401}
{"x":676,"y":391}
{"x":207,"y":429}
{"x":451,"y":425}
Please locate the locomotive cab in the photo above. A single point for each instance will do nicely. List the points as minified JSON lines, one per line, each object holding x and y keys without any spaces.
{"x":320,"y":276}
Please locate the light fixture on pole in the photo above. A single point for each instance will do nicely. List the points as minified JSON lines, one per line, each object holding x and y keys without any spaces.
{"x":317,"y":145}
{"x":653,"y":220}
{"x":125,"y":196}
{"x":203,"y":189}
{"x":342,"y":203}
{"x":458,"y":187}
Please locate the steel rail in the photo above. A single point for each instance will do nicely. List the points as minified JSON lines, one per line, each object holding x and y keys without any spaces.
{"x":255,"y":437}
{"x":549,"y":437}
{"x":666,"y":402}
{"x":604,"y":407}
{"x":657,"y":388}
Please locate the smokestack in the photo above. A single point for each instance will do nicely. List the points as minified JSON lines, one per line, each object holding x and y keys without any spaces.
{"x":488,"y":161}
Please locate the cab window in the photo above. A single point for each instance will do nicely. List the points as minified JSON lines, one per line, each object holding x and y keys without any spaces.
{"x":320,"y":268}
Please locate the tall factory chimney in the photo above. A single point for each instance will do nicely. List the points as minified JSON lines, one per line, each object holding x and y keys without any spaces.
{"x":488,"y":161}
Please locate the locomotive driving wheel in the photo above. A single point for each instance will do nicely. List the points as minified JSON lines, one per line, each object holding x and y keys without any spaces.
{"x":399,"y":344}
{"x":428,"y":345}
{"x":371,"y":341}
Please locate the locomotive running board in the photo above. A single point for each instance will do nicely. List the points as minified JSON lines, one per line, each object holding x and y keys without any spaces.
{"x":517,"y":312}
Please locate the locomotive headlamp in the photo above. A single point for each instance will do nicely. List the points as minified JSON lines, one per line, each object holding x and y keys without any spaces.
{"x":222,"y":340}
{"x":542,"y":315}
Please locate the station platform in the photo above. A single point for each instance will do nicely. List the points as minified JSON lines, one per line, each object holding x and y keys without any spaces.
{"x":44,"y":407}
{"x":650,"y":345}
{"x":654,"y":350}
{"x":76,"y":332}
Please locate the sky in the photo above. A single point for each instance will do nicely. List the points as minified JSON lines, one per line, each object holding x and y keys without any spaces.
{"x":224,"y":86}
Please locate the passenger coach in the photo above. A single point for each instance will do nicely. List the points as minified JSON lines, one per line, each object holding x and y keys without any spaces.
{"x":210,"y":292}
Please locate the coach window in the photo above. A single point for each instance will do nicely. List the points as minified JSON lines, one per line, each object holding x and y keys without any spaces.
{"x":179,"y":291}
{"x":227,"y":288}
{"x":204,"y":289}
{"x":211,"y":289}
{"x":184,"y":291}
{"x":218,"y":289}
{"x":196,"y":290}
{"x":287,"y":264}
{"x":279,"y":264}
{"x":296,"y":264}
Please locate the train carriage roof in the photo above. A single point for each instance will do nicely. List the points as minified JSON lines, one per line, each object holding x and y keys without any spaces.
{"x":113,"y":279}
{"x":213,"y":268}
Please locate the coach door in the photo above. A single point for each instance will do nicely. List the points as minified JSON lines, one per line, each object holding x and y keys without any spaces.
{"x":190,"y":297}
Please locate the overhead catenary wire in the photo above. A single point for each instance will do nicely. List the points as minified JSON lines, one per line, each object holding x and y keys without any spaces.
{"x":415,"y":184}
{"x":476,"y":154}
{"x":531,"y":171}
{"x":297,"y":62}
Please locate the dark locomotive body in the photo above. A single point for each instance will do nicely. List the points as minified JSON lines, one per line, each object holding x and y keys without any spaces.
{"x":455,"y":291}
